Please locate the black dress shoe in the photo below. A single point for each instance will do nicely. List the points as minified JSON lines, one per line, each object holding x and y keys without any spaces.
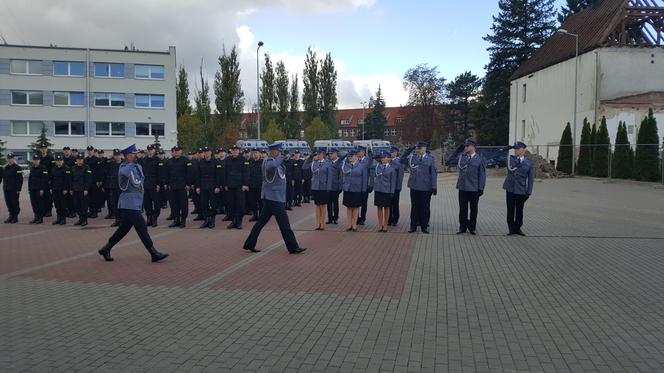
{"x":231,"y":225}
{"x":461,"y":232}
{"x":473,"y":233}
{"x":93,"y":215}
{"x":349,"y":229}
{"x":182,"y":224}
{"x":361,"y":222}
{"x":108,"y":217}
{"x":329,"y":222}
{"x":106,"y":253}
{"x":84,"y":223}
{"x":56,"y":221}
{"x":63,"y":221}
{"x":288,"y":208}
{"x":227,"y":218}
{"x":156,"y":255}
{"x":72,"y":216}
{"x":199,"y":218}
{"x":425,"y":230}
{"x":175,"y":223}
{"x":299,"y":250}
{"x":154,"y":222}
{"x":79,"y":222}
{"x":206,"y":224}
{"x":8,"y":220}
{"x":335,"y":222}
{"x":520,"y":233}
{"x":48,"y":214}
{"x":170,"y":218}
{"x":39,"y":221}
{"x":412,"y":230}
{"x":254,"y":250}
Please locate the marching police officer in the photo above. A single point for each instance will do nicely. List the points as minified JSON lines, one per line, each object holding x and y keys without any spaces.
{"x":12,"y":179}
{"x":60,"y":185}
{"x":335,"y":188}
{"x":81,"y":184}
{"x":38,"y":184}
{"x":179,"y":175}
{"x":130,"y":182}
{"x":255,"y":184}
{"x":422,"y":183}
{"x":399,"y":169}
{"x":236,"y":176}
{"x":208,"y":184}
{"x":273,"y":193}
{"x":518,"y":186}
{"x":111,"y":185}
{"x":471,"y":182}
{"x":152,"y":186}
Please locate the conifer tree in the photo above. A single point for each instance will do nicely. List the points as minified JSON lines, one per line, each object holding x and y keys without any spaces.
{"x":601,"y":151}
{"x":564,"y":163}
{"x":584,"y":163}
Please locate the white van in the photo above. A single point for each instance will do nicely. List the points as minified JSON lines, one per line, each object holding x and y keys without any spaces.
{"x":327,"y":145}
{"x":374,"y":146}
{"x":251,"y":144}
{"x":293,"y":145}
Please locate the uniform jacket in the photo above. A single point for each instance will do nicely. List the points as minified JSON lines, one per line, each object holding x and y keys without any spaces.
{"x":423,"y":174}
{"x":130,"y":181}
{"x":306,"y":169}
{"x":209,"y":174}
{"x":520,"y":176}
{"x":81,"y":178}
{"x":274,"y":179}
{"x":335,"y":175}
{"x":111,"y":179}
{"x":385,"y":178}
{"x":39,"y":178}
{"x":321,"y":175}
{"x":47,"y":161}
{"x":180,"y":172}
{"x":151,"y":172}
{"x":12,"y":178}
{"x":93,"y":164}
{"x":255,"y":174}
{"x":399,"y":169}
{"x":69,"y":161}
{"x":369,"y":168}
{"x":236,"y":172}
{"x":297,"y":169}
{"x":353,"y":177}
{"x":472,"y":173}
{"x":61,"y":178}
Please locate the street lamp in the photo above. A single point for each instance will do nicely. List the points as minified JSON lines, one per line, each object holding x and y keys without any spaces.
{"x":258,"y":92}
{"x":576,"y":82}
{"x":364,"y":117}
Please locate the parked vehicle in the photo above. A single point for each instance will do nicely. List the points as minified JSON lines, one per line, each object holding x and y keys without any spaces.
{"x":374,"y":146}
{"x":342,"y":146}
{"x":251,"y":144}
{"x":293,"y":145}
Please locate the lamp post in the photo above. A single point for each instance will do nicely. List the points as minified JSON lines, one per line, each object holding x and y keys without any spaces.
{"x":576,"y":85}
{"x":258,"y":92}
{"x":364,"y":117}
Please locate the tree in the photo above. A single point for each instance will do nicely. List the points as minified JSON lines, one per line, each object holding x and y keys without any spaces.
{"x":460,"y":91}
{"x":42,"y":140}
{"x":202,"y":102}
{"x":646,"y":159}
{"x":426,"y":91}
{"x":273,"y":133}
{"x":230,"y":135}
{"x":601,"y":151}
{"x":282,"y":96}
{"x":183,"y":107}
{"x":189,"y":132}
{"x":267,"y":101}
{"x":157,"y":143}
{"x":2,"y":152}
{"x":317,"y":130}
{"x":584,"y":164}
{"x":228,"y":88}
{"x":374,"y":122}
{"x":593,"y":141}
{"x":292,"y":130}
{"x":327,"y":95}
{"x":573,"y":7}
{"x":623,"y":156}
{"x":519,"y":29}
{"x":311,"y":86}
{"x":565,"y":151}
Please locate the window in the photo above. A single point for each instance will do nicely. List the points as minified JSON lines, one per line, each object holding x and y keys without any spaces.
{"x":150,"y":129}
{"x":149,"y":101}
{"x":25,"y":67}
{"x":399,"y":120}
{"x":109,"y":70}
{"x":26,"y":128}
{"x":345,"y":122}
{"x":340,"y":132}
{"x":524,"y":92}
{"x":523,"y":130}
{"x":27,"y":98}
{"x":352,"y":132}
{"x":61,"y":68}
{"x":109,"y":99}
{"x":148,"y":72}
{"x":68,"y":98}
{"x":109,"y":129}
{"x":69,"y":129}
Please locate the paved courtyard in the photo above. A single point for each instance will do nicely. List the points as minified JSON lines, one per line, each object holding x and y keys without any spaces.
{"x":584,"y":292}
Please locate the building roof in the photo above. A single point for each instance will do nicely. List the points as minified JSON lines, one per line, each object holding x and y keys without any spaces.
{"x":605,"y":23}
{"x":126,"y":50}
{"x":649,"y":99}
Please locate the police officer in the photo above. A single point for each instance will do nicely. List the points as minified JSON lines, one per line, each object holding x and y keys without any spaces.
{"x":255,"y":183}
{"x":12,"y":179}
{"x":38,"y":184}
{"x":335,"y":188}
{"x":195,"y":198}
{"x":47,"y":161}
{"x":208,"y":184}
{"x":81,"y":184}
{"x":321,"y":182}
{"x":152,"y":186}
{"x":130,"y":182}
{"x":385,"y":183}
{"x":220,"y":156}
{"x":60,"y":186}
{"x":179,"y":173}
{"x":163,"y":196}
{"x":306,"y":175}
{"x":353,"y":183}
{"x":518,"y":186}
{"x":111,"y":185}
{"x":71,"y":162}
{"x":273,"y":193}
{"x":92,"y":161}
{"x":369,"y":167}
{"x":399,"y":169}
{"x":422,"y":183}
{"x":297,"y":178}
{"x":236,"y":176}
{"x":471,"y":182}
{"x":288,"y":164}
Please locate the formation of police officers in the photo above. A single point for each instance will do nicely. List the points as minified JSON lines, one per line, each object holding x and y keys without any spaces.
{"x":229,"y":183}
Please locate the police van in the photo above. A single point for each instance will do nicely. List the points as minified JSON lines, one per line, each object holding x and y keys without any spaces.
{"x":293,"y":145}
{"x":374,"y":147}
{"x":251,"y":144}
{"x":327,"y":145}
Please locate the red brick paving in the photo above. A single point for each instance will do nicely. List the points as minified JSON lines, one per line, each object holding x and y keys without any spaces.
{"x":354,"y":264}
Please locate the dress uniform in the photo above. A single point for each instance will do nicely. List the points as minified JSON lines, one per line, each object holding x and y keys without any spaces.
{"x":179,"y":175}
{"x":399,"y":169}
{"x":288,"y":164}
{"x":385,"y":183}
{"x":369,"y":167}
{"x":518,"y":186}
{"x":255,"y":184}
{"x":38,"y":184}
{"x":307,"y":176}
{"x":236,"y":178}
{"x":297,"y":178}
{"x":422,"y":183}
{"x":47,"y":160}
{"x":81,"y":184}
{"x":208,"y":183}
{"x":152,"y":186}
{"x":130,"y":181}
{"x":12,"y":183}
{"x":471,"y":183}
{"x":321,"y":180}
{"x":273,"y":193}
{"x":60,"y":186}
{"x":111,"y":185}
{"x":353,"y":183}
{"x":335,"y":187}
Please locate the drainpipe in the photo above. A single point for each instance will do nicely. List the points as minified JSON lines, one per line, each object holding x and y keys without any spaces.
{"x":88,"y":97}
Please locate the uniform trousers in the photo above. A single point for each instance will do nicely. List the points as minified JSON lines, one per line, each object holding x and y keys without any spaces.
{"x":276,"y":209}
{"x":255,"y":201}
{"x":11,"y":200}
{"x":515,"y":204}
{"x":297,"y":191}
{"x":394,"y":208}
{"x":80,"y":204}
{"x":37,"y":202}
{"x":129,"y":219}
{"x":48,"y":201}
{"x":208,"y":207}
{"x":152,"y":202}
{"x":363,"y":209}
{"x":333,"y":205}
{"x":306,"y":189}
{"x":468,"y":201}
{"x":420,"y":204}
{"x":112,"y":201}
{"x":179,"y":204}
{"x":60,"y":202}
{"x":235,"y":207}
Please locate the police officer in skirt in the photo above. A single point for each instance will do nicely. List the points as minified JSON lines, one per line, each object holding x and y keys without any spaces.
{"x":273,"y":194}
{"x":385,"y":183}
{"x":518,"y":186}
{"x":353,"y":183}
{"x":130,"y":202}
{"x":321,"y":182}
{"x":423,"y":184}
{"x":471,"y":182}
{"x":12,"y":183}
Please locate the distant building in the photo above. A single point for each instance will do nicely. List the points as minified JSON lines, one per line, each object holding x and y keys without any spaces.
{"x":621,"y":73}
{"x":100,"y":97}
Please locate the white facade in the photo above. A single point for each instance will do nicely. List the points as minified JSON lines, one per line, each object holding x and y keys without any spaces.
{"x":86,"y":97}
{"x":542,"y":103}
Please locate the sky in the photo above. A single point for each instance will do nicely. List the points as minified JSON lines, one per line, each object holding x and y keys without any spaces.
{"x":373,"y":42}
